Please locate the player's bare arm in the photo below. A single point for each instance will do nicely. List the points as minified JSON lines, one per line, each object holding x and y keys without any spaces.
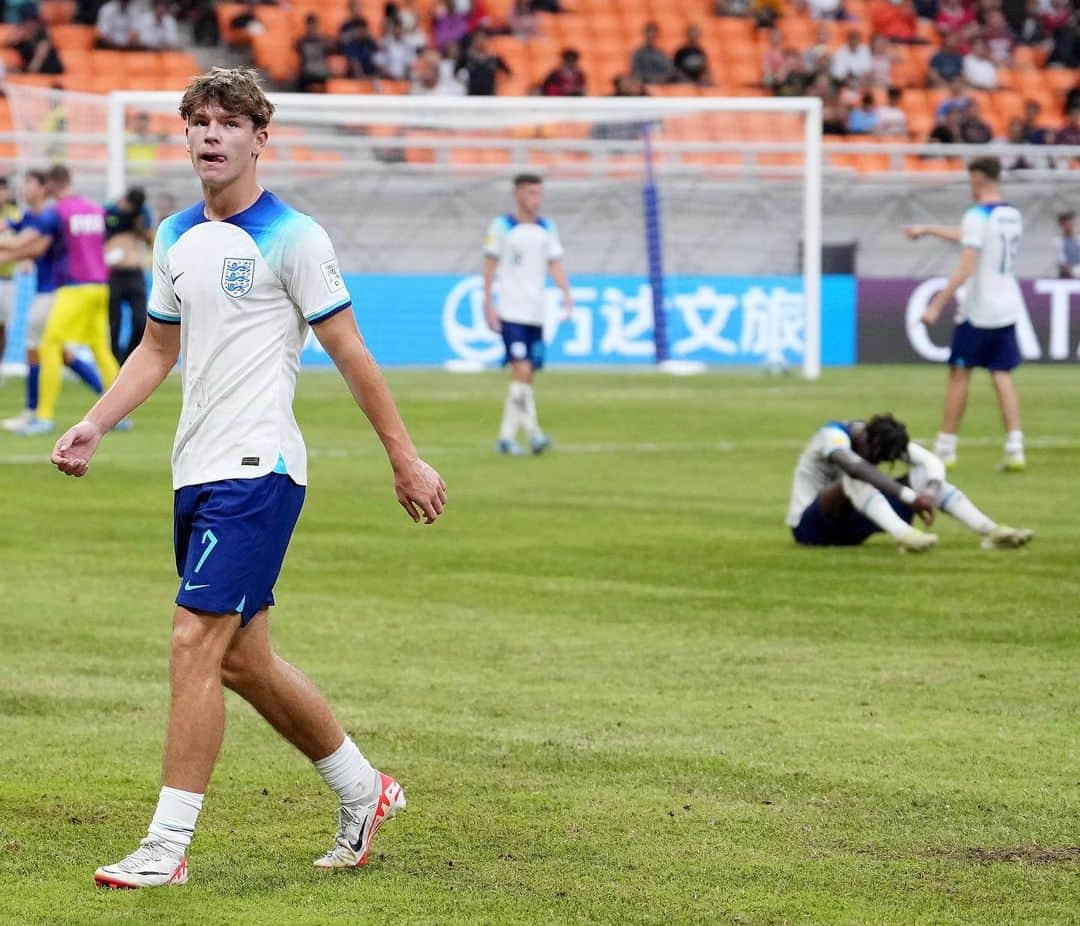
{"x":420,"y":489}
{"x":143,"y":372}
{"x":944,"y":232}
{"x":969,"y":259}
{"x":558,"y":274}
{"x":29,"y":244}
{"x":490,"y":263}
{"x":858,"y":468}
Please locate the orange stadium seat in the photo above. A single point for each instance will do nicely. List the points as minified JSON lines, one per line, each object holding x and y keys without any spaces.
{"x":71,"y":35}
{"x":56,"y":12}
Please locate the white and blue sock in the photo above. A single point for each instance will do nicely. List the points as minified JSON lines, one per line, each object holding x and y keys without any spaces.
{"x":349,"y":775}
{"x":175,"y":817}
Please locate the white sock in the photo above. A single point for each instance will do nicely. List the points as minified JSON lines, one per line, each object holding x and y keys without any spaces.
{"x":945,"y":445}
{"x":174,"y":819}
{"x":349,"y":775}
{"x":955,"y":503}
{"x":528,"y":419}
{"x":1014,"y":444}
{"x":870,"y":502}
{"x":512,"y":412}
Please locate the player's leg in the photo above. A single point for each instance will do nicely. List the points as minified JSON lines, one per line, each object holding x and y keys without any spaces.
{"x":195,"y":730}
{"x":35,"y":330}
{"x":886,"y":514}
{"x":954,"y":502}
{"x":1009,"y":403}
{"x":97,"y":335}
{"x":526,"y":370}
{"x":956,"y":394}
{"x":62,"y":327}
{"x":291,"y":703}
{"x":516,"y":344}
{"x":116,"y":313}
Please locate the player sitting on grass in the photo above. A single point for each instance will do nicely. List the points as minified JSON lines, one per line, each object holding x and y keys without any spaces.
{"x":839,"y":497}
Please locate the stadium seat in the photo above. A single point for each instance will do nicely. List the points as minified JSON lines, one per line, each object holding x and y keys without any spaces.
{"x":56,"y":12}
{"x":70,"y":35}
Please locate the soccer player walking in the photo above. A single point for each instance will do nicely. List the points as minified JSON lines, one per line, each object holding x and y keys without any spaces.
{"x":237,"y":280}
{"x":520,"y":250}
{"x":985,"y":334}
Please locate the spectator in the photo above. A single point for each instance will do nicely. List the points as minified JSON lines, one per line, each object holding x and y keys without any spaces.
{"x":1028,"y":26}
{"x":793,"y":79}
{"x":820,"y":49}
{"x":409,"y":17}
{"x":955,"y":20}
{"x":358,"y":46}
{"x":947,"y":63}
{"x":863,"y":120}
{"x":1069,"y":134}
{"x":891,"y":119}
{"x":1060,"y":25}
{"x":833,"y":113}
{"x":247,"y":22}
{"x":118,"y":24}
{"x":395,"y":57}
{"x":1000,"y":39}
{"x":1015,"y":136}
{"x":825,"y":9}
{"x":479,"y":69}
{"x":448,"y":26}
{"x":1034,"y":134}
{"x":882,"y":59}
{"x":431,"y":76}
{"x":957,"y":99}
{"x":736,"y":8}
{"x":852,"y":59}
{"x":649,"y":63}
{"x":314,"y":50}
{"x":1067,"y":246}
{"x":1072,"y":98}
{"x":973,"y":128}
{"x":765,"y":13}
{"x":628,"y":85}
{"x":37,"y":54}
{"x":691,"y":62}
{"x":157,"y":28}
{"x":896,"y":20}
{"x":773,"y":62}
{"x":567,"y":79}
{"x":979,"y":70}
{"x":948,"y":129}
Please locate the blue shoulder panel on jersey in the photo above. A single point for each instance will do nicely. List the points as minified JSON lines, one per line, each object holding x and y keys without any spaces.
{"x":176,"y":225}
{"x":510,"y":219}
{"x":543,"y":223}
{"x":839,"y":425}
{"x":271,"y":223}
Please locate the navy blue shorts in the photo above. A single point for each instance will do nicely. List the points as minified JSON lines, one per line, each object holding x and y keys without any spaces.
{"x":524,"y":342}
{"x":816,"y":529}
{"x":230,"y":539}
{"x":992,"y":348}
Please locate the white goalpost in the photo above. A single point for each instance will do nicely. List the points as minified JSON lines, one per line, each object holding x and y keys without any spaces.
{"x":694,"y":224}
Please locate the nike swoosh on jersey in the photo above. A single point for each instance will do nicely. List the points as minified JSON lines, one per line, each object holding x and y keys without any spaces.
{"x":188,"y":587}
{"x":180,"y":274}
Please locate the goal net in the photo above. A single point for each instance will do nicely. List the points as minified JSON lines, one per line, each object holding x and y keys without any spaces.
{"x":692,"y":225}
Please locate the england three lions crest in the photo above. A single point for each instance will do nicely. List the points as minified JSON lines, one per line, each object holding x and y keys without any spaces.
{"x":237,"y":275}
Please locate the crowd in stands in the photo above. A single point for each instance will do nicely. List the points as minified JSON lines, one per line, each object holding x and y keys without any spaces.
{"x":862,"y":58}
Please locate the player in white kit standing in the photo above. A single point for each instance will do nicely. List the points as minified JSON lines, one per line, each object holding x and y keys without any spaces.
{"x":989,"y":307}
{"x":520,"y":250}
{"x":238,"y":280}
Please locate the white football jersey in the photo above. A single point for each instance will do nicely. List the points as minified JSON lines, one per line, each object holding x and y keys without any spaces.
{"x":523,"y":250}
{"x":814,"y":471}
{"x":992,"y":297}
{"x":243,"y":292}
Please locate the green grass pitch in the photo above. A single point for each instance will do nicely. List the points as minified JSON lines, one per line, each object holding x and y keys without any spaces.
{"x":613,"y":688}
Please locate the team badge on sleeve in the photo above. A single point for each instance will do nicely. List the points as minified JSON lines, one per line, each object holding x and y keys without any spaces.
{"x":332,"y":275}
{"x":237,"y":275}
